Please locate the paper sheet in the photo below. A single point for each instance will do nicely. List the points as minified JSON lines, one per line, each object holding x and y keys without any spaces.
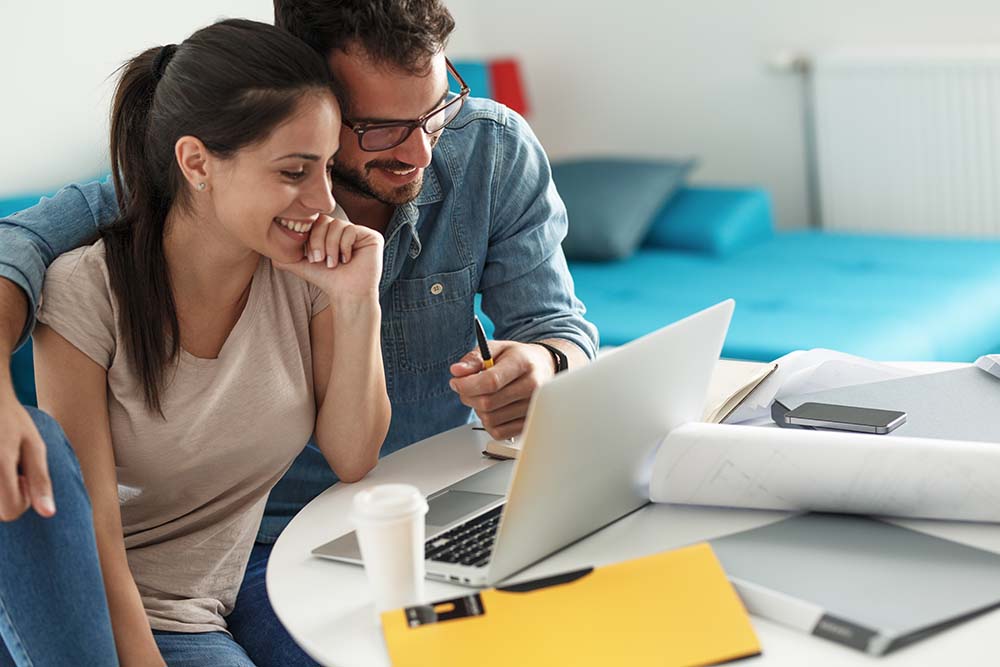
{"x":806,"y":371}
{"x":791,"y":469}
{"x":732,"y":381}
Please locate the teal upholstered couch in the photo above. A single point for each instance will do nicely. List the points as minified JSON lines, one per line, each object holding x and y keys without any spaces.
{"x":882,"y":297}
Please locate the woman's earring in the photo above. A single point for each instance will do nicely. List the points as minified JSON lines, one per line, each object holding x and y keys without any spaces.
{"x":201,"y":187}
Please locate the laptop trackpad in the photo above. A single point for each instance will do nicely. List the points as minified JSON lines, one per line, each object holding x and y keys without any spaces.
{"x":452,"y":505}
{"x":443,"y":510}
{"x":345,"y":547}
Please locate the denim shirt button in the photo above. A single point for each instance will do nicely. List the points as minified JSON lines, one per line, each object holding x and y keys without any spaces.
{"x":437,"y":288}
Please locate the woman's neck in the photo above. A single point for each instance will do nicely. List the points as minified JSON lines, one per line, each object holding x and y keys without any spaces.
{"x":207,"y":265}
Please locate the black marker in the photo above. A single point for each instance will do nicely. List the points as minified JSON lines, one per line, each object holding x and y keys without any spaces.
{"x":484,"y":349}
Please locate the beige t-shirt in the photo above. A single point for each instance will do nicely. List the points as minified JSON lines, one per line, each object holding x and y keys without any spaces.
{"x":192,"y":487}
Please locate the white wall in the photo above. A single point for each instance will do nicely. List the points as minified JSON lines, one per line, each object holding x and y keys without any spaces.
{"x":689,"y":77}
{"x":56,"y":61}
{"x":640,"y":77}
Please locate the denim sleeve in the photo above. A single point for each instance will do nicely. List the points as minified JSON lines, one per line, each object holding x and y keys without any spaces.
{"x":32,"y":238}
{"x":526,"y":285}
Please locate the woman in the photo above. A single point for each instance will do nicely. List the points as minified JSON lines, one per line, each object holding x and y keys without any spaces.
{"x":193,"y":349}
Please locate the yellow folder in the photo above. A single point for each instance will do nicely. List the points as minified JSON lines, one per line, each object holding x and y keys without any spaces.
{"x":672,"y":609}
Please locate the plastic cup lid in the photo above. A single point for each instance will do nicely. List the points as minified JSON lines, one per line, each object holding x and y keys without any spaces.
{"x":388,"y":501}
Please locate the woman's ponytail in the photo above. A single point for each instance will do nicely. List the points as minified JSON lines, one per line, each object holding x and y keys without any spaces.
{"x":134,"y":244}
{"x":130,"y":114}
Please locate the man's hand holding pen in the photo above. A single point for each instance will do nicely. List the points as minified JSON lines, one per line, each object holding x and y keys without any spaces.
{"x":500,"y":389}
{"x":500,"y":394}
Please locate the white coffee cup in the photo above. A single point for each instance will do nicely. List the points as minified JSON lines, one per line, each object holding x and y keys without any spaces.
{"x":389,"y":520}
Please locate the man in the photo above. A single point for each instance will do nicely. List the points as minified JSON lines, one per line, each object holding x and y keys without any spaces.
{"x":464,"y":208}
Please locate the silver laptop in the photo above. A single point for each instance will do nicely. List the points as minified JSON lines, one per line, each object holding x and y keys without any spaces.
{"x":587,"y":445}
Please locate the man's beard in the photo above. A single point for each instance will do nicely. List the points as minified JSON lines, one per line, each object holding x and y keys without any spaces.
{"x":358,"y":181}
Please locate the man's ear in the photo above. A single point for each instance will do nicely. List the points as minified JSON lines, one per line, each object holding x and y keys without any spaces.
{"x":194,"y":161}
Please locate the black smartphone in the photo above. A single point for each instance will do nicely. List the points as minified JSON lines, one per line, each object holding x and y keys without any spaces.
{"x":845,"y":418}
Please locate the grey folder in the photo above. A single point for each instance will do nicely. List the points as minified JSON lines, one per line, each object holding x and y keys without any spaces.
{"x":861,"y":582}
{"x":962,"y":404}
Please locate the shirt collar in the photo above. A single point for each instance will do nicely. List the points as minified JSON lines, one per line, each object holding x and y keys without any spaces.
{"x":409,"y":214}
{"x":430,"y":191}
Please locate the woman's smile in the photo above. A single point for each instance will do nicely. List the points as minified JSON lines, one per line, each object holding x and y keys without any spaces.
{"x":295,"y":229}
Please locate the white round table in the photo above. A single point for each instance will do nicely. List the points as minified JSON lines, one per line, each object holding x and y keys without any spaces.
{"x":328,"y":609}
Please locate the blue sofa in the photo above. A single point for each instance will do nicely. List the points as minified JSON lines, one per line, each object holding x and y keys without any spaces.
{"x":881,"y":297}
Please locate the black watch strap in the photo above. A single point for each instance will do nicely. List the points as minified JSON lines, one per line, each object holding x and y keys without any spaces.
{"x":561,"y":360}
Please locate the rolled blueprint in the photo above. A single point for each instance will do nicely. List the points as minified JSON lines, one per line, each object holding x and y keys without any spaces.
{"x":797,"y":469}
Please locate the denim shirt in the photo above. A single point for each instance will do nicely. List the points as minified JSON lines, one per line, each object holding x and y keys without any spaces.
{"x":487,"y":220}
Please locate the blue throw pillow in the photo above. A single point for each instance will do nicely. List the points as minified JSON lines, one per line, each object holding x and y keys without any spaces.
{"x":612,"y":202}
{"x":714,"y":221}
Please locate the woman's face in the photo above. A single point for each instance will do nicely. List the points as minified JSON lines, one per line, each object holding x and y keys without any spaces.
{"x":268,"y":195}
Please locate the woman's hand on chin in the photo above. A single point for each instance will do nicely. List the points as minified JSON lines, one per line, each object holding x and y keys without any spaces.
{"x":344,"y":260}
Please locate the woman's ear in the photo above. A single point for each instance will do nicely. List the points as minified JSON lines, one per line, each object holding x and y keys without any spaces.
{"x":194,"y":161}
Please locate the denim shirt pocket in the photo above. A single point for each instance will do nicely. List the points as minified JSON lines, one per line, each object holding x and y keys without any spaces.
{"x":433,"y":319}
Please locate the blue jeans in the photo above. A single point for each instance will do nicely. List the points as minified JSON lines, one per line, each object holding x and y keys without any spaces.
{"x":203,"y":649}
{"x":254,"y":624}
{"x":53,"y":609}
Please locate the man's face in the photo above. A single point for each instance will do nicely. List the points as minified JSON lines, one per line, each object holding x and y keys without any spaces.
{"x":384,"y":93}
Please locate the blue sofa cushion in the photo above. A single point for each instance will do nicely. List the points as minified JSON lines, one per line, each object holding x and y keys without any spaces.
{"x":715,"y":221}
{"x":880,"y":297}
{"x":612,"y":202}
{"x":15,"y":204}
{"x":476,"y":74}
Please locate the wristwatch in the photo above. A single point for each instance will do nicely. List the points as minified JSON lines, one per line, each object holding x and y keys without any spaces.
{"x":560,"y":359}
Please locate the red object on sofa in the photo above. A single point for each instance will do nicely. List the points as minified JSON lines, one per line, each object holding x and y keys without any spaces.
{"x":508,"y":88}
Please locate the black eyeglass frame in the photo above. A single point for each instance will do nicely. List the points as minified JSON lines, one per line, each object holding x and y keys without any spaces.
{"x":360,"y":129}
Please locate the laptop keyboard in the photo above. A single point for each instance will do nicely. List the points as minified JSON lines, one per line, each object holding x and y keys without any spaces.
{"x":469,"y":543}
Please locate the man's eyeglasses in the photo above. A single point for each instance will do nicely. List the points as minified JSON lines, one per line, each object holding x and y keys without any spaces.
{"x":374,"y":137}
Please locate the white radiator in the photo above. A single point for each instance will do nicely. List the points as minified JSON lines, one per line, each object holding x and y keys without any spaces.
{"x":909,"y":141}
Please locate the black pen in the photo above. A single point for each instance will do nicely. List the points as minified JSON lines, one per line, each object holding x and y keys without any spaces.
{"x":484,"y":349}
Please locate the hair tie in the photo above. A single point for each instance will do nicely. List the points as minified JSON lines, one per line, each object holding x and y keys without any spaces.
{"x":162,"y":59}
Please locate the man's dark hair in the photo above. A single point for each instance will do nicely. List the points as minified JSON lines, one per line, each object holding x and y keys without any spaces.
{"x":403,"y":33}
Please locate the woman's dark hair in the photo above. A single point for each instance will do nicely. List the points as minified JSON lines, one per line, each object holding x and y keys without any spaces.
{"x":229,"y":85}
